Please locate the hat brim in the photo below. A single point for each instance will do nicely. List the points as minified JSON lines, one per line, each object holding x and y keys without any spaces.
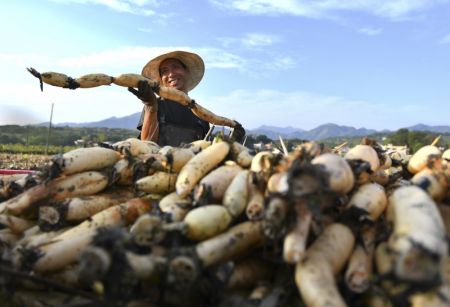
{"x":193,"y":62}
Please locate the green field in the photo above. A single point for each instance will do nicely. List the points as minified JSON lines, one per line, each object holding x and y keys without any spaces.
{"x":15,"y":139}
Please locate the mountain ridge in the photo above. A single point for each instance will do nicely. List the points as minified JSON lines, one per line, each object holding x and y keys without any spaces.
{"x":322,"y":131}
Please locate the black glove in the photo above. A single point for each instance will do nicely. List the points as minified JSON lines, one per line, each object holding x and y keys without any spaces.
{"x":238,"y":133}
{"x":146,"y":94}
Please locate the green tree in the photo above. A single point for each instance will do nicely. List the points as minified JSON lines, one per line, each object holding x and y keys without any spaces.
{"x":400,"y":137}
{"x":413,"y":139}
{"x":262,"y":138}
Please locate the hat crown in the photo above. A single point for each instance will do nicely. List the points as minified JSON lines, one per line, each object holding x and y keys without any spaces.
{"x":192,"y":61}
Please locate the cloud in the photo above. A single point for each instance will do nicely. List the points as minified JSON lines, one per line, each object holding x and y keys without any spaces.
{"x":308,"y":110}
{"x":121,"y":60}
{"x":445,"y":40}
{"x":283,"y":62}
{"x":325,"y":8}
{"x":265,"y":7}
{"x":136,"y":7}
{"x":79,"y":105}
{"x":250,"y":41}
{"x":370,"y":31}
{"x":259,"y":40}
{"x":23,"y":103}
{"x":145,"y":30}
{"x":131,"y":59}
{"x":216,"y":58}
{"x":261,"y":67}
{"x":23,"y":59}
{"x":252,"y":108}
{"x":124,"y":59}
{"x":19,"y":115}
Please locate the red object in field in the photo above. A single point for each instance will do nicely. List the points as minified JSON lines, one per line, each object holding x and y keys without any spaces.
{"x":15,"y":171}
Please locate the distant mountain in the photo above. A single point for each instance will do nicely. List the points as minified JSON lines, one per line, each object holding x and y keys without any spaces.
{"x":332,"y":130}
{"x":126,"y":122}
{"x":422,"y":127}
{"x":283,"y":130}
{"x":319,"y":133}
{"x":273,"y":132}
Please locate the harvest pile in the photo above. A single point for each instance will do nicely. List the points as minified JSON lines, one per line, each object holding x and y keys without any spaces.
{"x":214,"y":225}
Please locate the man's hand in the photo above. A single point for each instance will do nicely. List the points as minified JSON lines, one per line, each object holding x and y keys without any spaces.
{"x":238,"y":133}
{"x":146,"y":94}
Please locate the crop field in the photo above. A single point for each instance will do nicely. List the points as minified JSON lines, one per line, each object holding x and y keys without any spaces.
{"x":32,"y":157}
{"x":22,"y":161}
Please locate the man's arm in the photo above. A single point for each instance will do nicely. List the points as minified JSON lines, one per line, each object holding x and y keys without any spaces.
{"x":150,"y":127}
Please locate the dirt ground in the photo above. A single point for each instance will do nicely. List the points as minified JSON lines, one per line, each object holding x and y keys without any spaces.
{"x":22,"y":161}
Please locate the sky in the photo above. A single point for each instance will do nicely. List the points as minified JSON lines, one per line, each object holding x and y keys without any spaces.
{"x":377,"y":64}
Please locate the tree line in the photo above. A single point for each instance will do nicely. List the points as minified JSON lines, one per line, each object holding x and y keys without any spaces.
{"x":417,"y":139}
{"x":412,"y":139}
{"x":35,"y":137}
{"x":61,"y":136}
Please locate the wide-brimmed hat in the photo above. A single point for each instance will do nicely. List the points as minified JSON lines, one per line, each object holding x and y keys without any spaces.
{"x":193,"y":62}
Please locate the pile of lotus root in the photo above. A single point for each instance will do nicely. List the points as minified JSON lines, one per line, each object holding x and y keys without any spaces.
{"x":214,"y":224}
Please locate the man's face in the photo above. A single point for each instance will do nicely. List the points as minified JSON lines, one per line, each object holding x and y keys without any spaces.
{"x":173,"y":74}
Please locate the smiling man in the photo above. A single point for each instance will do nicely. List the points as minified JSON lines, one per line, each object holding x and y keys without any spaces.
{"x":164,"y":121}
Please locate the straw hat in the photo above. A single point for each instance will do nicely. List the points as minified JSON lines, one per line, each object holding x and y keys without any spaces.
{"x":193,"y":62}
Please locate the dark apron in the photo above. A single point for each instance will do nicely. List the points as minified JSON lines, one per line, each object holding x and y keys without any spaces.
{"x":174,"y":135}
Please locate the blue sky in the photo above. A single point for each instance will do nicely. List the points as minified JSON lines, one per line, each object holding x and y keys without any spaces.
{"x":379,"y":64}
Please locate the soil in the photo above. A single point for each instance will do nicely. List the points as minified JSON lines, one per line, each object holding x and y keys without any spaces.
{"x":22,"y":161}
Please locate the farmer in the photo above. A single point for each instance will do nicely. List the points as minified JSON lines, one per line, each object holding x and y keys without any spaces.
{"x":164,"y":121}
